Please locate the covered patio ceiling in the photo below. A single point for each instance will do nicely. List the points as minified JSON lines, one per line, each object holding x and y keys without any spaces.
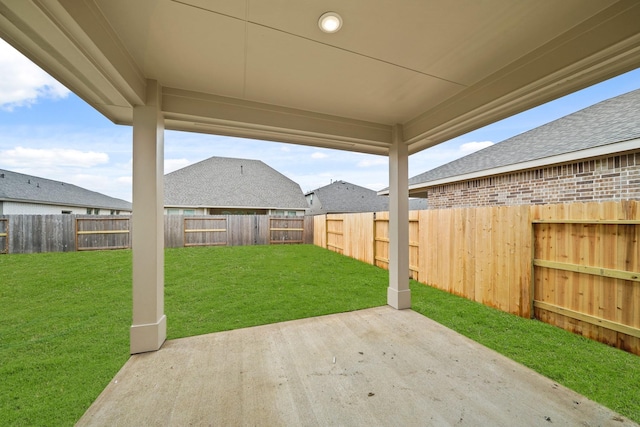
{"x":263,"y":69}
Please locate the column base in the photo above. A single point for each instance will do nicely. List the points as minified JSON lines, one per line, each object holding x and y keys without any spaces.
{"x":148,"y":337}
{"x":399,"y":300}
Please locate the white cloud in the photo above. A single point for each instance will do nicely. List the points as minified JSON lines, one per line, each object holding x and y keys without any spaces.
{"x":23,"y":82}
{"x":470,"y":147}
{"x":126,"y":180}
{"x":373,"y":161}
{"x":319,"y":155}
{"x":171,"y":165}
{"x":21,"y":157}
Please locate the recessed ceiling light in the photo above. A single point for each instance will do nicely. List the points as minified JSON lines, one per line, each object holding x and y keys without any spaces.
{"x":330,"y":22}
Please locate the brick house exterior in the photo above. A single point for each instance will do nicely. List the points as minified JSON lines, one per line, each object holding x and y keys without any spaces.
{"x":591,"y":155}
{"x":601,"y":179}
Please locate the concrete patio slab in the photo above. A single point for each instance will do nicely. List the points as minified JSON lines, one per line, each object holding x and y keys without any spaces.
{"x":375,"y":367}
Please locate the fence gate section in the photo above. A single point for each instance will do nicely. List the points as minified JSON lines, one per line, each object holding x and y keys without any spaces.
{"x":4,"y":236}
{"x":205,"y":231}
{"x":286,"y":230}
{"x":93,"y":234}
{"x":587,"y":278}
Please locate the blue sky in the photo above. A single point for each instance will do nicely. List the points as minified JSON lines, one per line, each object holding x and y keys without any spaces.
{"x":47,"y":131}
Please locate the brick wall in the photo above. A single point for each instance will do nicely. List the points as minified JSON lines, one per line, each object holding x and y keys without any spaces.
{"x":599,"y":179}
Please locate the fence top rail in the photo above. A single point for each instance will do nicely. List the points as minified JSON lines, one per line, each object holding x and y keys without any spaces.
{"x":200,"y":218}
{"x":588,"y":221}
{"x":83,"y":232}
{"x":206,"y":230}
{"x":110,"y":218}
{"x":387,"y":220}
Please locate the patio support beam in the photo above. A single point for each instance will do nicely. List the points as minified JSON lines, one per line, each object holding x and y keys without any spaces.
{"x":149,"y":328}
{"x":398,"y":292}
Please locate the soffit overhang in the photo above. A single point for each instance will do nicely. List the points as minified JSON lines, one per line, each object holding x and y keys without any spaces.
{"x":262,"y":69}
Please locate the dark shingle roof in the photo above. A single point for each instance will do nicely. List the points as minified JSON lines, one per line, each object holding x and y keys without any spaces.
{"x":343,"y":197}
{"x":26,"y":188}
{"x":228,"y":182}
{"x":611,"y":121}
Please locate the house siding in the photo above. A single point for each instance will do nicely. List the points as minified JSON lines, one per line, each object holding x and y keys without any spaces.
{"x":591,"y":180}
{"x":22,"y":208}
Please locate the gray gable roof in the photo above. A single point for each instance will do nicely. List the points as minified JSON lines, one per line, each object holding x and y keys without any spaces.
{"x":612,"y":121}
{"x":343,"y":197}
{"x":26,"y":188}
{"x":228,"y":182}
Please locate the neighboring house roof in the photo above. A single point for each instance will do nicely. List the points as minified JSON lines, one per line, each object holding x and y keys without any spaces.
{"x":604,"y":128}
{"x":17,"y":187}
{"x":231,"y":183}
{"x":418,"y":204}
{"x":343,"y":197}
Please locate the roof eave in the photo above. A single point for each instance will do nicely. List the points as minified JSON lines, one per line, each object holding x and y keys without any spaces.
{"x":609,"y":149}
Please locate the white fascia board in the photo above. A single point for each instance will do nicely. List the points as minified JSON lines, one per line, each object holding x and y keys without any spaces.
{"x":207,"y":113}
{"x":605,"y":150}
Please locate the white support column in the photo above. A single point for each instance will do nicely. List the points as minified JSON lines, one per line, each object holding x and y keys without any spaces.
{"x":149,"y":328}
{"x":398,"y":293}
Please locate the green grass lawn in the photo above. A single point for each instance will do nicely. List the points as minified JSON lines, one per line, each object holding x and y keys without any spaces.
{"x":65,"y":317}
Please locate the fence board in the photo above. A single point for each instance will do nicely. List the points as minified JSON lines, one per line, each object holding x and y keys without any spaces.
{"x":174,"y":231}
{"x":381,"y":240}
{"x":320,"y":230}
{"x":359,"y":228}
{"x":308,"y":230}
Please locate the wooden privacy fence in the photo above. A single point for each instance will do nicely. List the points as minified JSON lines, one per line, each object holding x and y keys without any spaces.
{"x":381,"y":242}
{"x":60,"y":233}
{"x":205,"y":231}
{"x":39,"y":233}
{"x":586,"y":272}
{"x":94,"y":234}
{"x":574,"y":266}
{"x":4,"y":236}
{"x":286,"y":230}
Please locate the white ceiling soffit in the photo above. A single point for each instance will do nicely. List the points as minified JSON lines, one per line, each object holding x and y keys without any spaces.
{"x":263,"y":69}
